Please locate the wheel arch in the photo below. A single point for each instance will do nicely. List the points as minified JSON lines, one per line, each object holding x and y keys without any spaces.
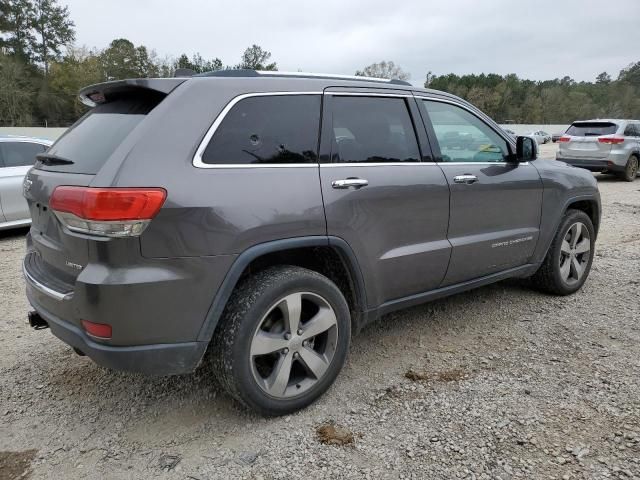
{"x":330,"y":256}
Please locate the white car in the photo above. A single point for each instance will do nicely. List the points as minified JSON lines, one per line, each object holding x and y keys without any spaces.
{"x":17,"y":156}
{"x":540,"y":136}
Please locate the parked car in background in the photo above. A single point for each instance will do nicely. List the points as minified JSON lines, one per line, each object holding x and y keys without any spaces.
{"x":540,"y":136}
{"x":611,"y":146}
{"x":17,"y":156}
{"x":290,"y":212}
{"x":556,"y":136}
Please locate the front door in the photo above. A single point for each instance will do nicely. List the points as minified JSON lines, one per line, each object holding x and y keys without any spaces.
{"x":495,"y":202}
{"x":382,"y":192}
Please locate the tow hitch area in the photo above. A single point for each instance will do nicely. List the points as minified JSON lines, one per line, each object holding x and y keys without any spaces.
{"x":36,"y":321}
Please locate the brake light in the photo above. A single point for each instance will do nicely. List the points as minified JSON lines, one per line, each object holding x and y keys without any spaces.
{"x":112,"y":212}
{"x":98,"y":330}
{"x":564,"y":138}
{"x":611,"y":140}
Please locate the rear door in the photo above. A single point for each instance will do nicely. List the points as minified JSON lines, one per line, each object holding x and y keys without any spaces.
{"x":582,"y":140}
{"x":382,"y":192}
{"x":16,"y":158}
{"x":495,"y":204}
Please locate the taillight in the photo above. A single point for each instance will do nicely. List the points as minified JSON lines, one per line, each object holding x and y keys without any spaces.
{"x":564,"y":138}
{"x":98,"y":330}
{"x":111,"y":212}
{"x":611,"y":140}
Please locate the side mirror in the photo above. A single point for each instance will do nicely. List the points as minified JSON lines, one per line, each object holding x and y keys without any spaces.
{"x":526,"y":149}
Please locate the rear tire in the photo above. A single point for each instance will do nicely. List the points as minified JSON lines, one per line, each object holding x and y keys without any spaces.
{"x":568,"y":261}
{"x":282,"y":340}
{"x":631,"y":169}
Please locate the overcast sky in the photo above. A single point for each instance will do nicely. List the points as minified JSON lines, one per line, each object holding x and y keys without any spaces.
{"x":535,"y":39}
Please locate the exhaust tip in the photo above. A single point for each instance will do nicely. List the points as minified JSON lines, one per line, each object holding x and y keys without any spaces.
{"x":36,"y":321}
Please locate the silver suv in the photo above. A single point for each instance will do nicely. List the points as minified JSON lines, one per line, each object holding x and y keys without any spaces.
{"x":611,"y":146}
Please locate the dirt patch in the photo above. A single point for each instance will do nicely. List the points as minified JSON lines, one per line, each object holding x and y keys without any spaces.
{"x":331,"y":434}
{"x":16,"y":465}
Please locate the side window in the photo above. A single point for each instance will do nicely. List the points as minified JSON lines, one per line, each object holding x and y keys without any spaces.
{"x":629,"y":131}
{"x":463,"y":137}
{"x":372,"y":129}
{"x":19,"y":154}
{"x":267,"y":130}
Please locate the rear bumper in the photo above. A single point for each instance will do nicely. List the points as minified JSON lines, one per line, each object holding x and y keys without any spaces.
{"x":158,"y":359}
{"x":592,"y":165}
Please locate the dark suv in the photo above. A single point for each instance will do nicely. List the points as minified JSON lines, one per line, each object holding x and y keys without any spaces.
{"x":263,"y":218}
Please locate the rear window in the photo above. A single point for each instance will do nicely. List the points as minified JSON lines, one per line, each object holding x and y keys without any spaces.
{"x":93,"y":138}
{"x":592,"y":129}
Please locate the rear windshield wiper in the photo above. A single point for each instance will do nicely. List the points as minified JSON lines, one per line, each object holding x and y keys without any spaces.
{"x":51,"y":159}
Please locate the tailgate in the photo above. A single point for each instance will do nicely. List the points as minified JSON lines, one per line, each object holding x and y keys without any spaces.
{"x":582,"y":140}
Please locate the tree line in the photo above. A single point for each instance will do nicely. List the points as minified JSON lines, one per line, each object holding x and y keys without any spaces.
{"x":41,"y":72}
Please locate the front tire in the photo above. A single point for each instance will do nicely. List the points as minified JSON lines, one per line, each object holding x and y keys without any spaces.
{"x":568,"y":261}
{"x":282,"y":340}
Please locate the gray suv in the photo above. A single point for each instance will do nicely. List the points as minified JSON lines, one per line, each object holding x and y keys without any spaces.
{"x":611,"y":146}
{"x":255,"y":221}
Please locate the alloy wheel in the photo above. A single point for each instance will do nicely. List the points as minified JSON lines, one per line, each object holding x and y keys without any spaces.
{"x":575,"y":253}
{"x":293,"y":345}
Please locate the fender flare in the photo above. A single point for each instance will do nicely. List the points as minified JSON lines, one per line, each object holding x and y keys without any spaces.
{"x":245,"y":258}
{"x":565,"y":206}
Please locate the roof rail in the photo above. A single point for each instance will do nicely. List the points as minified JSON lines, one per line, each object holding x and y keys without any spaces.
{"x":276,"y":73}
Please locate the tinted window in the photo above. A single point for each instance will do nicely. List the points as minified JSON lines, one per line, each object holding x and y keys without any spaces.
{"x":373,"y":129}
{"x":268,"y":129}
{"x":591,"y":129}
{"x":463,"y":137}
{"x":632,"y":130}
{"x":92,"y":140}
{"x":19,"y":154}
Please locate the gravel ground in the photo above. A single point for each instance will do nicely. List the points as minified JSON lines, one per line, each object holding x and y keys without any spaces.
{"x":505,"y":383}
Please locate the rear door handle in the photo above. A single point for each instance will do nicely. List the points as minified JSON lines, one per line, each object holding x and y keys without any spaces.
{"x":350,"y":182}
{"x":466,"y":179}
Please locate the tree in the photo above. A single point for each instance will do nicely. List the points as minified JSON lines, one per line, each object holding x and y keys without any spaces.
{"x":54,"y":30}
{"x":79,"y":67}
{"x":16,"y":25}
{"x":255,"y":58}
{"x":384,"y":69}
{"x":198,"y":64}
{"x":631,"y":74}
{"x":122,"y":59}
{"x":603,"y":78}
{"x":16,"y":93}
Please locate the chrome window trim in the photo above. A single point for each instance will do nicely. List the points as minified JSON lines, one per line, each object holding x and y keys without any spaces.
{"x":197,"y":158}
{"x":401,"y":164}
{"x":377,"y":164}
{"x":369,"y":94}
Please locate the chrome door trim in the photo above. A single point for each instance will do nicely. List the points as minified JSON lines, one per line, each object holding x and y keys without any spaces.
{"x":197,"y":158}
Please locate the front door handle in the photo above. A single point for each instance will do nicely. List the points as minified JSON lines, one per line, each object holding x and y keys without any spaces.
{"x":350,"y":182}
{"x":466,"y":179}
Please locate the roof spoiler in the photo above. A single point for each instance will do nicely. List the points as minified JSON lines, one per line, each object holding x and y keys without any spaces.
{"x":101,"y":92}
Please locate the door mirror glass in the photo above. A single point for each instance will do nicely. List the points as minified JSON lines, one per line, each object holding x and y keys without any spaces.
{"x":526,"y":149}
